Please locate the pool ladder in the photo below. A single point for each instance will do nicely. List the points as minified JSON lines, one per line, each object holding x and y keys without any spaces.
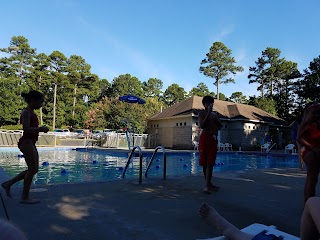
{"x":164,"y":157}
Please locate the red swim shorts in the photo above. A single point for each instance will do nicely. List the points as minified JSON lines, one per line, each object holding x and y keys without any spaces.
{"x":207,"y":149}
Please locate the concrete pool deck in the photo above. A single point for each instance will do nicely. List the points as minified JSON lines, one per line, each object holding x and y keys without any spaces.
{"x":159,"y":209}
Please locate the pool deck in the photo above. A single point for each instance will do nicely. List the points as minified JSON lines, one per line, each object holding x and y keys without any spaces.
{"x":159,"y":209}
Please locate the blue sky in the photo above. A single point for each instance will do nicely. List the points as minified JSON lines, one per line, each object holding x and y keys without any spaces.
{"x":166,"y":39}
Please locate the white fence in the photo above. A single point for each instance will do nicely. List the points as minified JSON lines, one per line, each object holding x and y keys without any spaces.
{"x":10,"y":138}
{"x":120,"y":140}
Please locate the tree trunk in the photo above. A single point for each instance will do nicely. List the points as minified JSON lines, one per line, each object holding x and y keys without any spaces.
{"x":217,"y":89}
{"x":21,"y":71}
{"x":41,"y":118}
{"x":74,"y":100}
{"x":271,"y":86}
{"x":54,"y":107}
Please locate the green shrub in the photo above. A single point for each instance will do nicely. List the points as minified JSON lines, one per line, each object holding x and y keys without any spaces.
{"x":12,"y":127}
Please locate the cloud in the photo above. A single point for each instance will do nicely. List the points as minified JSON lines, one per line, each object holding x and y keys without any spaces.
{"x":219,"y":37}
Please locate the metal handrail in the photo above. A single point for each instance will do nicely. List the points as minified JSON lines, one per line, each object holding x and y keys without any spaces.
{"x":164,"y":156}
{"x":87,"y":145}
{"x":272,"y":147}
{"x":140,"y":163}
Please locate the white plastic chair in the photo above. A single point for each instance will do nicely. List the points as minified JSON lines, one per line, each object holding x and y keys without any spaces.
{"x":257,"y":228}
{"x":228,"y":147}
{"x":265,"y":147}
{"x":221,"y":147}
{"x":290,"y":148}
{"x":195,"y":145}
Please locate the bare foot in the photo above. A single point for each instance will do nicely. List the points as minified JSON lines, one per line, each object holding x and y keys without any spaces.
{"x":205,"y":210}
{"x":29,"y":201}
{"x":6,"y":187}
{"x":206,"y":190}
{"x":214,"y":188}
{"x":212,"y":217}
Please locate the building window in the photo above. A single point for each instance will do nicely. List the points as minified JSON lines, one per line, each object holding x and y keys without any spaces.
{"x":151,"y":125}
{"x":177,"y":124}
{"x":157,"y":125}
{"x":180,"y":124}
{"x":197,"y":123}
{"x":249,"y":127}
{"x":185,"y":123}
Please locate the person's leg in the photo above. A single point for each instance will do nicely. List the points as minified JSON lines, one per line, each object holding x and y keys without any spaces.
{"x":313,"y":168}
{"x":310,"y":220}
{"x":209,"y":171}
{"x":7,"y":185}
{"x":204,"y":169}
{"x":32,"y":159}
{"x":213,"y":218}
{"x":300,"y":155}
{"x":212,"y":156}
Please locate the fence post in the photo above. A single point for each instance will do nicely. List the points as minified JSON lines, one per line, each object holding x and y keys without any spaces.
{"x":117,"y":145}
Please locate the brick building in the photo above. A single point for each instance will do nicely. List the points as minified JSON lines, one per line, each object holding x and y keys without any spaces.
{"x":243,"y":125}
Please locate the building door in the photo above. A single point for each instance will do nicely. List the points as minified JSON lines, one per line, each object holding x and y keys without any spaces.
{"x":167,"y":137}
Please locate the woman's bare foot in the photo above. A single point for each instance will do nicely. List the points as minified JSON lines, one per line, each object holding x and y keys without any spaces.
{"x":29,"y":201}
{"x":213,"y":218}
{"x":207,"y":212}
{"x":6,"y":186}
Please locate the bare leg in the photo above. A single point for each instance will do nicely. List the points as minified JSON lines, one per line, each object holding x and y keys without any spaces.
{"x":310,"y":220}
{"x":313,"y":168}
{"x":209,"y":175}
{"x":32,"y":159}
{"x":213,"y":218}
{"x":204,"y":169}
{"x":209,"y":179}
{"x":7,"y":185}
{"x":300,"y":156}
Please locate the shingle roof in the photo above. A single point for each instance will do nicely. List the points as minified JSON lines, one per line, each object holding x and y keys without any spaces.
{"x":226,"y":109}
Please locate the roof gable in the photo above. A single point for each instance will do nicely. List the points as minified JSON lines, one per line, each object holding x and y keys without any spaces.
{"x":226,"y":109}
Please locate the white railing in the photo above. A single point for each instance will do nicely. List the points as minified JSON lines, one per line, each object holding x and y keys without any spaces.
{"x":120,"y":140}
{"x":10,"y":138}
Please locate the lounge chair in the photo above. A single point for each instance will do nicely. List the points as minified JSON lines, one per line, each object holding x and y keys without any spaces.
{"x":290,"y":148}
{"x":257,"y":228}
{"x":265,"y":147}
{"x":228,"y":147}
{"x":221,"y":147}
{"x":195,"y":145}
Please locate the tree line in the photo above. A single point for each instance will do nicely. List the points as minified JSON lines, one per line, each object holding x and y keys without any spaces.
{"x":79,"y":98}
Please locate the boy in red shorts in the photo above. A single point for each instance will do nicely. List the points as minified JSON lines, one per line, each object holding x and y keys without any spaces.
{"x":208,"y":142}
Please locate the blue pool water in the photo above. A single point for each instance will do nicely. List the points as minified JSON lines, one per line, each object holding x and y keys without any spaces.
{"x":100,"y":165}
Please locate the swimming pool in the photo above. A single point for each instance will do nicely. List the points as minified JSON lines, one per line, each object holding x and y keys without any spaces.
{"x":69,"y":166}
